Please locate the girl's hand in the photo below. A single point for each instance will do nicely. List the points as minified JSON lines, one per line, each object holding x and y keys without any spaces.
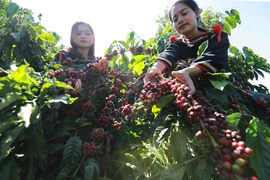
{"x":155,"y":70}
{"x":102,"y":64}
{"x":184,"y":77}
{"x":77,"y":88}
{"x":151,"y":73}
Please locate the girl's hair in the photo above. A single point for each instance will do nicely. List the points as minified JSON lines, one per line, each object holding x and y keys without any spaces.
{"x":74,"y":53}
{"x":190,"y":3}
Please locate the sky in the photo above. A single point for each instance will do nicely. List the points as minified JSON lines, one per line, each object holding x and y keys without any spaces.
{"x":113,"y":20}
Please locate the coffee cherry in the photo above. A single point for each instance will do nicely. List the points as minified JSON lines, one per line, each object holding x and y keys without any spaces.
{"x":240,"y":161}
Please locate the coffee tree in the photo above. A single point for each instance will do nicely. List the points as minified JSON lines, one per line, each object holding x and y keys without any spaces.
{"x":118,"y":127}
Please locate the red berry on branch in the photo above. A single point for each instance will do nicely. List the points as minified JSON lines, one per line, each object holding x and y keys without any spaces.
{"x":248,"y":150}
{"x":227,"y":165}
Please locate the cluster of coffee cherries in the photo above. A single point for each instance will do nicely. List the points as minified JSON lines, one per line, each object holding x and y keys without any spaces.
{"x":98,"y":134}
{"x":227,"y":149}
{"x":89,"y":148}
{"x":150,"y":94}
{"x":68,"y":75}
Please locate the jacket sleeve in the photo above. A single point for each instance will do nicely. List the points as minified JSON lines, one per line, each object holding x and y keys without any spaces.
{"x":215,"y":57}
{"x":170,"y":55}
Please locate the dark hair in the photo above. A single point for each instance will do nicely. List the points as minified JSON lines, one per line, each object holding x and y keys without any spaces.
{"x":190,"y":3}
{"x":74,"y":50}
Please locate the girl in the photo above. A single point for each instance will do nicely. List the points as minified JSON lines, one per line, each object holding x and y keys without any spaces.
{"x":184,"y":15}
{"x":82,"y":40}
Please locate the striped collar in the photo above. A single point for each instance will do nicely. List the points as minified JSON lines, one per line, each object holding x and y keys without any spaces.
{"x":197,"y":38}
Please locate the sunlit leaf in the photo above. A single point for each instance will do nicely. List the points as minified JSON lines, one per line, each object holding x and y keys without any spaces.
{"x":159,"y":133}
{"x":66,"y":99}
{"x":47,"y":37}
{"x":202,"y":48}
{"x":161,"y":103}
{"x":38,"y":28}
{"x":233,"y":120}
{"x":10,"y":137}
{"x":226,"y":28}
{"x":220,"y":85}
{"x":258,"y":138}
{"x":156,"y":152}
{"x":138,"y":68}
{"x":9,"y":99}
{"x":123,"y":43}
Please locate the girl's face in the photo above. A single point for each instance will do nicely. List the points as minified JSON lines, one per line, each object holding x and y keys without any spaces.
{"x":83,"y":37}
{"x":184,"y":19}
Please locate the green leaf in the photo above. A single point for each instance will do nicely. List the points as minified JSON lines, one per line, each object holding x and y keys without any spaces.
{"x":220,"y":85}
{"x":20,"y":76}
{"x":130,"y":36}
{"x":3,"y":14}
{"x":10,"y":170}
{"x":236,"y":15}
{"x":66,"y":99}
{"x":39,"y":145}
{"x":159,"y":133}
{"x":91,"y":169}
{"x":179,"y":144}
{"x":173,"y":172}
{"x":204,"y":170}
{"x":259,"y":72}
{"x":233,"y":120}
{"x":64,"y":173}
{"x":123,"y":43}
{"x":202,"y":48}
{"x":226,"y":28}
{"x":113,"y":61}
{"x":125,"y":62}
{"x":12,"y":9}
{"x":73,"y":151}
{"x":219,"y":98}
{"x":5,"y":123}
{"x":10,"y":137}
{"x":138,"y":59}
{"x":138,"y":68}
{"x":157,"y":153}
{"x":16,"y":36}
{"x":133,"y":162}
{"x":231,"y":21}
{"x":9,"y":99}
{"x":258,"y":138}
{"x":161,"y":103}
{"x":150,"y":42}
{"x":67,"y":124}
{"x":47,"y":37}
{"x":38,"y":28}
